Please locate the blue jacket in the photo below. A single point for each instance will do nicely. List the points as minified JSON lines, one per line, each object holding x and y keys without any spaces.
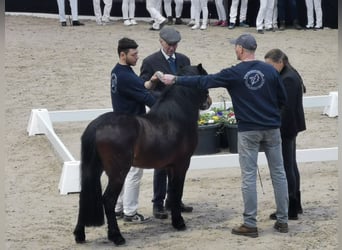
{"x":128,"y":92}
{"x":256,"y":90}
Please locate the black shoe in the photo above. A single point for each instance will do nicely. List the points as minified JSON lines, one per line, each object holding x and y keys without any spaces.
{"x":63,"y":24}
{"x":296,"y":25}
{"x":160,"y":213}
{"x":274,"y":217}
{"x":77,"y":23}
{"x":169,"y":20}
{"x":119,"y":215}
{"x":260,"y":31}
{"x":179,"y":21}
{"x":243,"y":24}
{"x":281,"y":227}
{"x":231,"y":26}
{"x":184,"y":208}
{"x":282,"y":25}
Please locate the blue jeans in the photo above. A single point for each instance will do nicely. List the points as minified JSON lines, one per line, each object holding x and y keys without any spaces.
{"x":248,"y":147}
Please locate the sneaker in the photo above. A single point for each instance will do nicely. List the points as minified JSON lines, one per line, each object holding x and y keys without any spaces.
{"x":133,"y":22}
{"x":169,"y":20}
{"x":127,"y":22}
{"x":224,"y":24}
{"x":179,"y":21}
{"x":231,"y":26}
{"x":195,"y":27}
{"x":119,"y":215}
{"x":243,"y":24}
{"x":136,"y":219}
{"x":260,"y":31}
{"x":246,"y":231}
{"x":160,"y":213}
{"x":203,"y":27}
{"x":281,"y":227}
{"x":191,"y":23}
{"x":64,"y":23}
{"x":77,"y":23}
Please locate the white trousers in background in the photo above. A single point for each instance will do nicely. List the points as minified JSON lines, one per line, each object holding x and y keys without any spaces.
{"x":153,"y":7}
{"x":200,"y":6}
{"x":73,"y":7}
{"x":106,"y":10}
{"x":221,"y":12}
{"x":234,"y":8}
{"x":312,"y":5}
{"x":178,"y":8}
{"x":266,"y":14}
{"x":128,"y":9}
{"x":128,"y":199}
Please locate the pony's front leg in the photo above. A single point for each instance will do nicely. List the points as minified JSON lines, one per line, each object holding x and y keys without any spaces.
{"x":175,"y":196}
{"x":109,"y":200}
{"x":79,"y":233}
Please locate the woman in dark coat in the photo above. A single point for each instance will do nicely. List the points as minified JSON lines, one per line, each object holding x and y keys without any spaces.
{"x":293,"y":121}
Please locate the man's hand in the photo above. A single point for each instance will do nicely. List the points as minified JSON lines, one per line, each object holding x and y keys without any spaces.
{"x":168,"y":79}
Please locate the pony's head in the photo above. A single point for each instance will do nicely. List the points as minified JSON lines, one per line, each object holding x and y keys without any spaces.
{"x":198,"y":69}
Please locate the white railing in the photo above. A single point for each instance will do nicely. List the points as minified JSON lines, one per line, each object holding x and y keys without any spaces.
{"x":41,"y":122}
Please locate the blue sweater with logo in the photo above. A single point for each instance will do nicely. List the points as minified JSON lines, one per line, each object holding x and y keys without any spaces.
{"x":256,"y":90}
{"x":128,"y":92}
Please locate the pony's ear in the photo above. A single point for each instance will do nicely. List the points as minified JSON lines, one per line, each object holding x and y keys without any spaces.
{"x":201,"y":69}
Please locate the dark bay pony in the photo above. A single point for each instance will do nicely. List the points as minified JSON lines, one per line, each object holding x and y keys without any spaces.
{"x":165,"y":137}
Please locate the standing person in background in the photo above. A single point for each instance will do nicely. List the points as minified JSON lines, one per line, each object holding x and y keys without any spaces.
{"x":178,"y":11}
{"x":292,"y":122}
{"x":128,"y":12}
{"x":162,"y":60}
{"x":221,"y":12}
{"x":74,"y":13}
{"x":192,"y":14}
{"x":102,"y":19}
{"x":200,"y":6}
{"x":265,"y":16}
{"x":293,"y":13}
{"x":129,"y":95}
{"x":312,"y":5}
{"x":242,"y":16}
{"x":154,"y":7}
{"x":257,"y":95}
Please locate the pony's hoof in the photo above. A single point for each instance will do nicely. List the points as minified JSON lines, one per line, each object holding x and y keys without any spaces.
{"x":118,"y":240}
{"x":80,"y":239}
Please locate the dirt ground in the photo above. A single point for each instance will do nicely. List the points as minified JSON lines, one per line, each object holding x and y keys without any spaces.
{"x":47,"y":66}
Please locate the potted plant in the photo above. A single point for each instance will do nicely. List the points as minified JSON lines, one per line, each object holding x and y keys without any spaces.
{"x":209,"y":124}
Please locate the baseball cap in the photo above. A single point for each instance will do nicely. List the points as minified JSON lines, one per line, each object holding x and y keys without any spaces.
{"x":247,"y":41}
{"x":170,"y":35}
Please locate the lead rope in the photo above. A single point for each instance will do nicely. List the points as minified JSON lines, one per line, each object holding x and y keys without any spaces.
{"x":262,"y":187}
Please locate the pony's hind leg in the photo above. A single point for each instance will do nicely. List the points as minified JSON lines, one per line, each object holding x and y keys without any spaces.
{"x":110,"y":197}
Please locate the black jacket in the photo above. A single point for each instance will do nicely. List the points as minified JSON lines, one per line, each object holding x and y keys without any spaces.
{"x":292,"y":117}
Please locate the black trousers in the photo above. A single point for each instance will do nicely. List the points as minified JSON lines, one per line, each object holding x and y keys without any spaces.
{"x":292,"y":174}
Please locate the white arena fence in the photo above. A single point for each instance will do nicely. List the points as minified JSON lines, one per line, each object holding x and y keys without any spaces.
{"x":41,"y":122}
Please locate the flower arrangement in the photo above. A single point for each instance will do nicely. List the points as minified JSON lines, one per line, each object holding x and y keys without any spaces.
{"x":217,"y":115}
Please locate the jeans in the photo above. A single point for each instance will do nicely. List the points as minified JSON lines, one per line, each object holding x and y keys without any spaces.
{"x":248,"y":147}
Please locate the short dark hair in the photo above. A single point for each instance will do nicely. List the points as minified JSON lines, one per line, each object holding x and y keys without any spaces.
{"x":125,"y":44}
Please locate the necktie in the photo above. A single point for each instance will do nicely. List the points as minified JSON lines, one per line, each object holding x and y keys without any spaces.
{"x":172,"y":63}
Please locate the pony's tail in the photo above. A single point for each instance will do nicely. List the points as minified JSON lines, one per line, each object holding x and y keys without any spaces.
{"x":91,"y":205}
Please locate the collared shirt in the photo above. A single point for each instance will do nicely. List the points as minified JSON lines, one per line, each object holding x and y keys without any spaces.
{"x":166,"y":56}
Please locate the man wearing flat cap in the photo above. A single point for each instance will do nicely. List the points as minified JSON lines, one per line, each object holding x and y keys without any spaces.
{"x":169,"y":61}
{"x":258,"y":95}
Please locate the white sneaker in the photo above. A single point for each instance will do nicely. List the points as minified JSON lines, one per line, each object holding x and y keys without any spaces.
{"x":127,"y":22}
{"x":203,"y":27}
{"x":133,"y":22}
{"x":191,"y":23}
{"x":195,"y":27}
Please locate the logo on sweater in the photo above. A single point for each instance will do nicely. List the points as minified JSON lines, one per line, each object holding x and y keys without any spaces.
{"x":114,"y":83}
{"x":254,"y":79}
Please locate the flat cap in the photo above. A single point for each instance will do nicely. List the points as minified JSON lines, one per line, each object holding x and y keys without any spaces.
{"x":170,"y":35}
{"x":247,"y":41}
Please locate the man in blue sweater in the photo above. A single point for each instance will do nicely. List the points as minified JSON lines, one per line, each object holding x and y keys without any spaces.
{"x":258,"y":95}
{"x":130,"y":95}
